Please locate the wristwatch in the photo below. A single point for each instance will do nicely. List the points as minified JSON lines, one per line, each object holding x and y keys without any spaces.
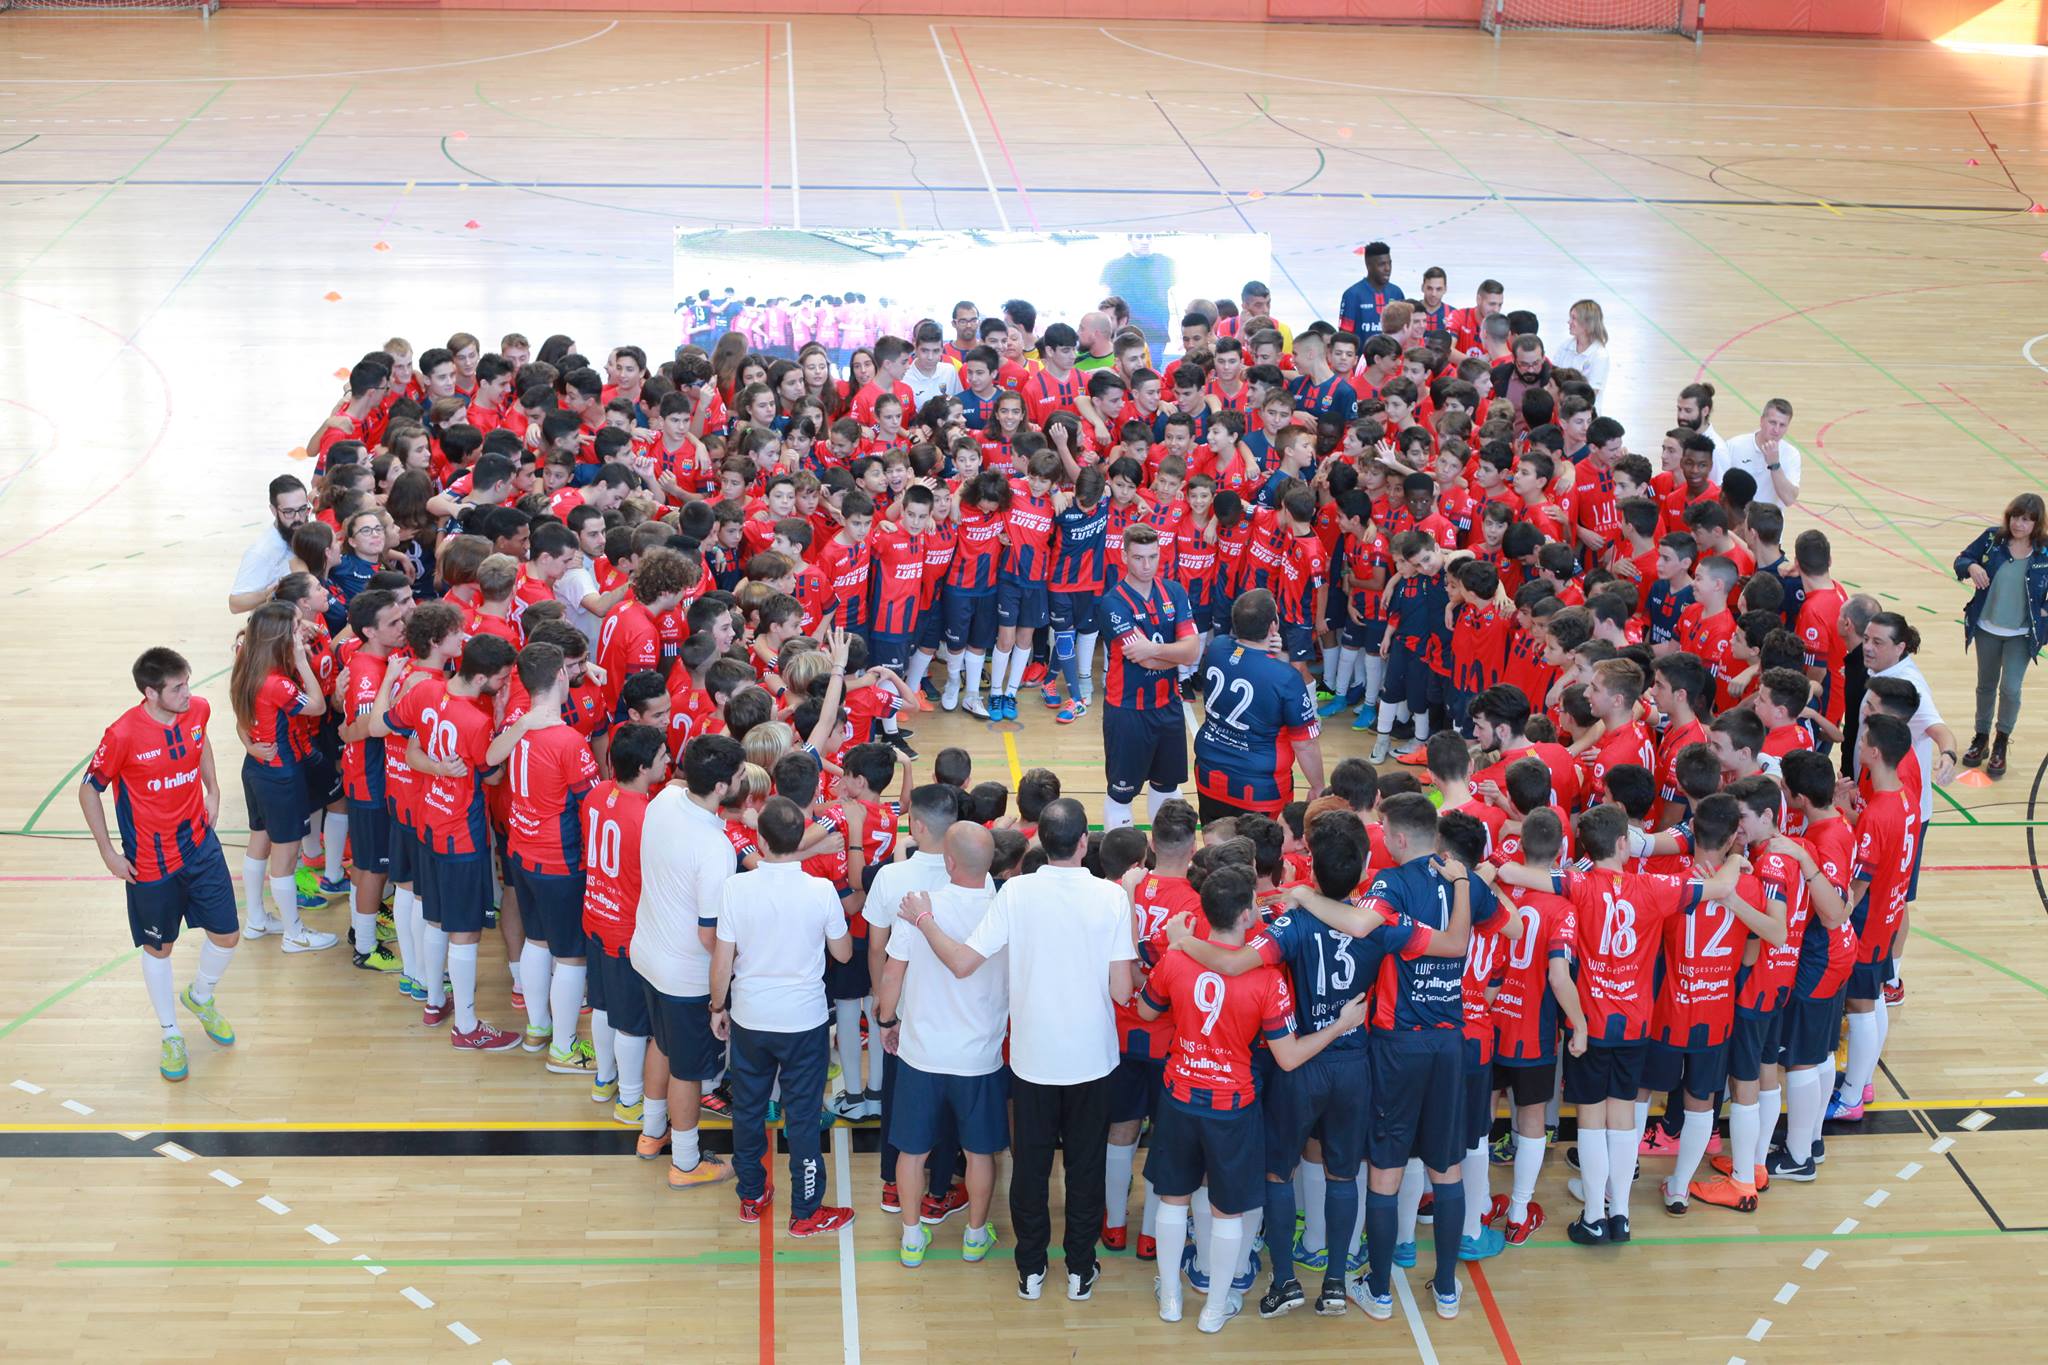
{"x":1771,"y":467}
{"x":888,"y":1023}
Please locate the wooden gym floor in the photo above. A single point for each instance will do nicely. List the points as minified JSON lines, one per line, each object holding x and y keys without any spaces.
{"x":188,"y":250}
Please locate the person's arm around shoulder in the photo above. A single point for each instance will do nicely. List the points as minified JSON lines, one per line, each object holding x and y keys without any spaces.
{"x":961,"y":960}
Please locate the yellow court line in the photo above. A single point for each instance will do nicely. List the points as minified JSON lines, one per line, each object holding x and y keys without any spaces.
{"x":1016,"y":764}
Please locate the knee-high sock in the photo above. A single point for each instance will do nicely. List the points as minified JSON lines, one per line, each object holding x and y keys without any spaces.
{"x":846,"y":1017}
{"x":631,"y":1052}
{"x":1803,"y":1097}
{"x":1382,"y":1214}
{"x":1768,"y":1103}
{"x":1742,"y":1126}
{"x":1084,"y":653}
{"x":1475,"y":1169}
{"x":1155,"y":798}
{"x":604,"y":1046}
{"x":536,"y":970}
{"x":1593,"y":1171}
{"x":1253,"y":1220}
{"x":1391,"y":714}
{"x":1172,"y":1238}
{"x":1528,"y":1166}
{"x":1866,"y":1044}
{"x":1280,"y":1217}
{"x":998,"y":671}
{"x":1116,"y":814}
{"x":1148,"y":1223}
{"x":1375,"y":677}
{"x":565,"y":1002}
{"x":920,"y":664}
{"x":1413,"y":1183}
{"x":1020,"y":660}
{"x":213,"y":965}
{"x":1116,"y":1183}
{"x":1199,"y":1219}
{"x":462,"y":978}
{"x":337,"y":840}
{"x":1693,"y":1135}
{"x":434,"y":947}
{"x":1826,"y":1070}
{"x":1449,"y":1229}
{"x":310,"y":847}
{"x":1341,"y":1212}
{"x":159,"y":977}
{"x":1621,"y":1168}
{"x":1315,"y":1183}
{"x":1226,"y":1239}
{"x":975,"y":663}
{"x":254,"y":874}
{"x":285,"y":891}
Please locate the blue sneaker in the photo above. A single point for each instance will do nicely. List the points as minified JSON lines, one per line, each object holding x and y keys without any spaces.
{"x":415,"y":989}
{"x":1197,"y":1281}
{"x":1330,"y":707}
{"x":1009,"y":708}
{"x":1243,"y":1283}
{"x":1072,"y":712}
{"x":338,"y":887}
{"x":1489,"y":1242}
{"x":1366,"y":718}
{"x":1404,"y":1254}
{"x":1314,"y":1260}
{"x":1446,"y":1304}
{"x":1050,"y":696}
{"x":1357,"y":1261}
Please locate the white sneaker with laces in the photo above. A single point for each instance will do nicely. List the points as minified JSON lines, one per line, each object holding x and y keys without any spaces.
{"x":1167,"y":1291}
{"x":1213,"y":1322}
{"x":949,"y":697}
{"x":973,"y":705}
{"x":304,"y":940}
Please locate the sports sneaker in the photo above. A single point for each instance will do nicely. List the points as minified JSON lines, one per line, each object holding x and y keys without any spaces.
{"x":1657,"y":1142}
{"x":1713,"y":1144}
{"x":1080,"y":1287}
{"x":304,"y":940}
{"x":1446,"y":1304}
{"x":518,"y":1000}
{"x":1820,"y":1152}
{"x":257,"y":924}
{"x":1243,"y":1283}
{"x":1148,"y":1248}
{"x":1378,"y":1307}
{"x":1031,"y":1286}
{"x":1782,"y":1167}
{"x":171,"y":1062}
{"x":937,"y":1210}
{"x":217,"y":1028}
{"x":1496,"y":1213}
{"x":910,"y":1256}
{"x":1869,"y":1093}
{"x":1212,"y":1319}
{"x":648,"y":1148}
{"x":890,"y":1202}
{"x":306,"y":881}
{"x":1051,"y":697}
{"x":1190,"y":1271}
{"x":1116,"y":1239}
{"x":1587,"y":1234}
{"x":855,"y":1105}
{"x":901,"y":745}
{"x":604,"y":1092}
{"x":1894,"y":994}
{"x":1319,"y":1259}
{"x":752,"y":1209}
{"x":709,"y":1170}
{"x":1356,"y":1260}
{"x":1326,"y":710}
{"x":1009,"y":706}
{"x":537,"y":1038}
{"x":1725,"y":1193}
{"x":1617,"y":1229}
{"x":1411,"y":755}
{"x":1382,"y":748}
{"x":630,"y":1115}
{"x":1165,"y":1291}
{"x":387,"y":932}
{"x":1425,"y":1210}
{"x":412,"y":990}
{"x":1282,"y":1298}
{"x":433,"y":1016}
{"x":974,"y":706}
{"x":1675,"y":1204}
{"x":1519,"y":1233}
{"x":579,"y":1060}
{"x":310,"y":901}
{"x":1330,"y":1300}
{"x":949,"y":698}
{"x":334,"y":888}
{"x":1489,"y":1242}
{"x":1502,"y":1150}
{"x":1367,"y":717}
{"x":1839,"y":1112}
{"x":1034,"y":673}
{"x":973,"y":1249}
{"x":484,"y":1038}
{"x":718,"y":1102}
{"x":376,"y":960}
{"x":1071,"y":712}
{"x":1404,"y":1254}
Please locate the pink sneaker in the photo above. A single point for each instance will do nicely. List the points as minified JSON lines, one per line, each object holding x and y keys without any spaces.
{"x":1714,"y":1145}
{"x":1869,"y":1094}
{"x":1657,"y":1142}
{"x":484,"y":1038}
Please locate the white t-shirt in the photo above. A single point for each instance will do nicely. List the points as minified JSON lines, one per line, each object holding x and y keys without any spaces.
{"x":1591,"y":362}
{"x":1927,"y":715}
{"x":1742,"y":452}
{"x":685,"y":860}
{"x":921,"y":871}
{"x":952,"y":1026}
{"x":570,"y":590}
{"x":777,"y":918}
{"x":1063,"y":929}
{"x":942,"y":382}
{"x":263,"y":563}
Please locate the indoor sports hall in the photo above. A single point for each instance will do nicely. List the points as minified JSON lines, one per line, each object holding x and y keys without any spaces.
{"x":207,"y":216}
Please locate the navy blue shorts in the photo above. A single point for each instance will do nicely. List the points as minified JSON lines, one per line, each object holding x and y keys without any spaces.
{"x":321,"y":773}
{"x":403,"y":847}
{"x":1527,"y":1083}
{"x":1363,"y":636}
{"x":1418,"y":1099}
{"x":1300,"y":641}
{"x":551,"y":907}
{"x":277,"y":803}
{"x":1135,"y":1087}
{"x":618,"y":990}
{"x":1075,"y":611}
{"x":1608,"y":1071}
{"x":1702,"y":1071}
{"x":1022,"y":603}
{"x":980,"y":1106}
{"x":1140,"y":747}
{"x":931,"y":628}
{"x":682,"y":1030}
{"x":1913,"y":883}
{"x":849,"y":980}
{"x":1328,"y":1098}
{"x":200,"y":894}
{"x":1410,"y":679}
{"x":890,"y":651}
{"x":1866,"y":979}
{"x":455,"y":893}
{"x":1225,"y":1147}
{"x":1808,"y":1030}
{"x":1478,"y":1099}
{"x":1201,"y":611}
{"x":970,"y":619}
{"x":369,"y":838}
{"x":1749,"y":1045}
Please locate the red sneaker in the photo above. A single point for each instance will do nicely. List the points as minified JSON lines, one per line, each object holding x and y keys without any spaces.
{"x":932,"y":1211}
{"x":1148,"y":1248}
{"x":890,"y":1203}
{"x":1115,"y":1239}
{"x":434,"y":1015}
{"x":750,"y":1209}
{"x":518,"y":999}
{"x":828,"y":1218}
{"x":484,"y":1038}
{"x":718,"y":1102}
{"x":1034,"y":673}
{"x":1425,"y":1212}
{"x":1725,"y":1193}
{"x":1723,"y":1166}
{"x":1495,"y":1214}
{"x":1519,"y":1233}
{"x":1657,"y":1142}
{"x":1894,"y":994}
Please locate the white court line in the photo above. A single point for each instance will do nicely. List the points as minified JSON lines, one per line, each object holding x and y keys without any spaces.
{"x":2041,"y":1079}
{"x":274,"y":1206}
{"x":994,"y":197}
{"x":30,"y":1087}
{"x":849,"y":1297}
{"x":1785,"y":1293}
{"x":2027,"y":350}
{"x":224,"y":1178}
{"x":1846,"y":1226}
{"x":1758,"y":1328}
{"x":320,"y":1234}
{"x":414,"y":1297}
{"x":1975,"y":1121}
{"x":1877,"y":1197}
{"x":135,"y":1137}
{"x":1814,"y":1261}
{"x":463,"y":1334}
{"x":82,"y":1110}
{"x":375,"y":1270}
{"x":329,"y":75}
{"x":796,"y":193}
{"x":1423,"y":1347}
{"x":1942,"y":1144}
{"x":1909,"y":1170}
{"x":173,"y":1151}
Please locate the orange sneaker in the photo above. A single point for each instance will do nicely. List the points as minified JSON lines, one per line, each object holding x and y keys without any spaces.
{"x":1723,"y":1166}
{"x":648,"y":1148}
{"x":1115,"y":1239}
{"x":709,"y":1170}
{"x":1728,"y":1194}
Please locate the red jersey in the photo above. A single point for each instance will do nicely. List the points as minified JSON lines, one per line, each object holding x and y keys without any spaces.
{"x":1304,"y":568}
{"x":1827,"y":955}
{"x":278,"y":701}
{"x":402,"y":786}
{"x":1776,"y":878}
{"x":159,"y":801}
{"x":1702,"y":954}
{"x":1154,"y":901}
{"x":1618,"y":924}
{"x":1216,"y":1021}
{"x":1363,"y":560}
{"x":940,"y":538}
{"x":1673,"y":804}
{"x":612,"y":818}
{"x":1886,"y":835}
{"x":978,"y":553}
{"x":872,"y":391}
{"x":1564,"y":773}
{"x":1524,"y":1010}
{"x":1709,"y":638}
{"x":628,"y":642}
{"x":1479,"y":645}
{"x":450,"y":809}
{"x":1819,"y":629}
{"x":1525,"y":669}
{"x":1486,"y":964}
{"x":845,"y":571}
{"x":691,"y":712}
{"x":898,"y":570}
{"x":1045,"y":395}
{"x":1629,"y":744}
{"x":1029,"y":527}
{"x":362,"y":763}
{"x":549,"y":772}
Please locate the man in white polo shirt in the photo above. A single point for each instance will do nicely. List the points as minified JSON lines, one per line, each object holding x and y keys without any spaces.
{"x":685,"y":861}
{"x":1766,"y":456}
{"x":949,"y":1074}
{"x":1069,"y":963}
{"x":775,"y":926}
{"x":270,"y":558}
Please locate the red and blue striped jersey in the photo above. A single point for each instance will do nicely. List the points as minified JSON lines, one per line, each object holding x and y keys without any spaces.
{"x":1264,"y":548}
{"x":1028,"y":524}
{"x":979,"y":554}
{"x":1334,"y":397}
{"x":159,"y":801}
{"x":1304,"y":567}
{"x":1195,"y":565}
{"x":277,"y":701}
{"x":1160,"y":614}
{"x":549,"y":773}
{"x":1256,"y":709}
{"x":1169,"y":519}
{"x":1122,"y":516}
{"x":977,"y":411}
{"x":897,"y":581}
{"x":1045,"y":395}
{"x":845,"y":568}
{"x":940,"y":539}
{"x":1081,"y":563}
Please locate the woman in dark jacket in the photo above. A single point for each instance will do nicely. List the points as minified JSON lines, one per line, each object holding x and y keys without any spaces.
{"x":2006,"y":619}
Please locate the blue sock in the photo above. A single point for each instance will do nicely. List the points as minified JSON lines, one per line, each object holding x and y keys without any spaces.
{"x":1070,"y":665}
{"x":1280,"y":1218}
{"x":1382,"y":1212}
{"x":1340,"y":1215}
{"x":1450,"y":1231}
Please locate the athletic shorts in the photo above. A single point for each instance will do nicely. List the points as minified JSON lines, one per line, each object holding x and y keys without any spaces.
{"x":891,"y":651}
{"x":1866,"y":979}
{"x":200,"y":893}
{"x":369,"y":838}
{"x":849,"y":980}
{"x":979,"y":1105}
{"x":1201,"y":610}
{"x":1608,"y":1071}
{"x":970,"y":619}
{"x":1913,"y":883}
{"x":1808,"y":1029}
{"x":1478,"y":1100}
{"x":1701,"y":1071}
{"x":1299,"y":639}
{"x":1224,"y":1147}
{"x":276,"y":798}
{"x":618,"y":990}
{"x":931,"y":628}
{"x":1022,"y":603}
{"x":1328,"y":1098}
{"x":1075,"y":611}
{"x":551,"y":907}
{"x":1363,"y":636}
{"x":1143,"y":747}
{"x":455,"y":893}
{"x":1749,"y":1045}
{"x":1418,"y":1099}
{"x":403,"y":847}
{"x":1135,"y":1087}
{"x":682,"y":1030}
{"x":321,"y":773}
{"x":1410,"y":679}
{"x":1527,"y":1083}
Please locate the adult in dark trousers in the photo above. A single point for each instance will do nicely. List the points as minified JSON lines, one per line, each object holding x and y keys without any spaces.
{"x":2006,"y":619}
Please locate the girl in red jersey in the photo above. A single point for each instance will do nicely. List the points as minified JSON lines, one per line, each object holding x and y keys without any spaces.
{"x":273,"y":681}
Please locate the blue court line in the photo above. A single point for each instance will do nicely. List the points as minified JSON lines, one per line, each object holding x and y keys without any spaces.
{"x":1209,"y":192}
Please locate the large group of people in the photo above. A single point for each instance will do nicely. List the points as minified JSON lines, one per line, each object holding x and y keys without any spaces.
{"x":616,"y":660}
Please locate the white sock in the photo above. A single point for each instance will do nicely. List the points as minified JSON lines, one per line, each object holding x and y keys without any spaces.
{"x":434,"y":949}
{"x":1408,"y":1205}
{"x":1642,"y":1116}
{"x":654,"y":1117}
{"x":536,"y":966}
{"x":1865,"y":1046}
{"x":1172,"y":1236}
{"x":413,"y":930}
{"x":1769,"y":1102}
{"x":337,"y":840}
{"x":1116,"y":1183}
{"x":1155,"y":798}
{"x":285,"y":891}
{"x":310,"y":846}
{"x":1528,"y":1166}
{"x":213,"y":965}
{"x":1621,"y":1168}
{"x":1116,"y":814}
{"x":684,"y":1153}
{"x":1333,"y":670}
{"x":975,"y":663}
{"x":362,"y":927}
{"x":1804,"y":1100}
{"x":254,"y":873}
{"x":920,"y":664}
{"x":1742,"y":1123}
{"x":999,"y":670}
{"x":1694,"y":1133}
{"x":163,"y":992}
{"x":1593,"y":1151}
{"x":956,"y":666}
{"x":1226,"y":1239}
{"x":1199,"y":1218}
{"x":604,"y":1043}
{"x":1474,"y":1171}
{"x":462,"y":976}
{"x":1252,"y":1221}
{"x":1422,"y":727}
{"x":846,"y":1013}
{"x":1392,"y":715}
{"x":565,"y":1002}
{"x":1826,"y":1070}
{"x":1084,"y":647}
{"x":631,"y":1054}
{"x":1375,"y":676}
{"x":1020,"y":659}
{"x":1315,"y":1188}
{"x":1148,"y":1222}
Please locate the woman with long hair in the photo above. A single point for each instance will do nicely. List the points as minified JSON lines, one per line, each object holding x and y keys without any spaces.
{"x":364,"y":537}
{"x":788,"y":383}
{"x":829,"y":393}
{"x":1586,"y":352}
{"x":274,"y":680}
{"x":2006,"y":619}
{"x":726,"y":356}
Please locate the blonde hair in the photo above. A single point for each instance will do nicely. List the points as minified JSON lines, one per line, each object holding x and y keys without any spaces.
{"x":1588,"y":315}
{"x":805,"y":668}
{"x":755,"y":787}
{"x":767,"y":742}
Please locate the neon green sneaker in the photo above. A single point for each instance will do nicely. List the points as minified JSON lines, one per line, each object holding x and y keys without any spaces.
{"x":977,"y":1249}
{"x":579,"y":1060}
{"x":629,"y":1114}
{"x":308,"y":882}
{"x":217,"y":1028}
{"x":172,"y":1063}
{"x":538,"y":1038}
{"x":913,"y":1256}
{"x":604,"y":1092}
{"x":387,"y":932}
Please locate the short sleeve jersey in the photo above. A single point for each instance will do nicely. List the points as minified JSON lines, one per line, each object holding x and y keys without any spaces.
{"x":362,"y":762}
{"x":1161,"y":614}
{"x":1028,"y":525}
{"x":1154,"y":901}
{"x":628,"y":642}
{"x":1619,"y":919}
{"x":159,"y":801}
{"x":612,"y":817}
{"x":279,"y":699}
{"x":451,"y":809}
{"x":550,"y":772}
{"x":1524,"y":1010}
{"x":1421,"y":992}
{"x":898,"y":587}
{"x":979,"y":552}
{"x":1216,"y":1019}
{"x":1256,"y":709}
{"x":1703,"y":951}
{"x":1826,"y":955}
{"x":1328,"y":966}
{"x":1080,"y":564}
{"x":1885,"y":838}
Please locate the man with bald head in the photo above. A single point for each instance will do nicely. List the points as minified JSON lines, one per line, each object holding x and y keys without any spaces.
{"x":1098,"y":337}
{"x":947,"y":1034}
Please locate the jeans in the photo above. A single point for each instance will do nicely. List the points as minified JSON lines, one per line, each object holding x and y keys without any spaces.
{"x":2001,"y":667}
{"x":1076,"y":1118}
{"x":800,"y":1060}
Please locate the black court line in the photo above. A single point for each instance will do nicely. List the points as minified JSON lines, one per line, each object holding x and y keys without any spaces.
{"x":1928,"y":1129}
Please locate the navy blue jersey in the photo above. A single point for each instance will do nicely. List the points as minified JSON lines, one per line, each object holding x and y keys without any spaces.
{"x":1081,"y":560}
{"x":1359,"y":310}
{"x":1417,"y":609}
{"x":1422,"y":992}
{"x":1334,"y":397}
{"x":1159,"y":423}
{"x":1256,"y":709}
{"x":977,"y":411}
{"x":1664,"y":608}
{"x":1329,"y":966}
{"x":1161,"y":615}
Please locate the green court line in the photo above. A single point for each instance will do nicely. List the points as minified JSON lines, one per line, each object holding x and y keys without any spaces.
{"x":1981,"y":960}
{"x":95,"y":974}
{"x":1961,"y":809}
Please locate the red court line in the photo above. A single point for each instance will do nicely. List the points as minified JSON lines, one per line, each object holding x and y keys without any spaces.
{"x":996,"y":128}
{"x":1987,"y":867}
{"x":56,"y":438}
{"x":765,"y":1286}
{"x":767,"y":119}
{"x":1498,"y":1323}
{"x":1874,"y":544}
{"x":1996,"y":156}
{"x":1978,"y":409}
{"x":101,"y":877}
{"x":1820,"y":442}
{"x":1755,"y":327}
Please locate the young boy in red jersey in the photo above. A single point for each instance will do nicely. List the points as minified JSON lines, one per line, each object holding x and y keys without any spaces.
{"x":1616,"y":688}
{"x":1022,"y":602}
{"x":844,"y":563}
{"x":898,"y":555}
{"x":629,"y":642}
{"x":612,"y":816}
{"x":378,"y":621}
{"x":1887,"y":835}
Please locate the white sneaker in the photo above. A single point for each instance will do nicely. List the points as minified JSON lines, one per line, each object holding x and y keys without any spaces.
{"x":973,"y":705}
{"x":1212,"y":1322}
{"x":1381,"y":748}
{"x":854,"y":1107}
{"x":1167,"y":1290}
{"x":1408,"y":747}
{"x":260,"y":925}
{"x":1031,"y":1286}
{"x":949,"y":697}
{"x":1576,"y":1188}
{"x":304,"y":940}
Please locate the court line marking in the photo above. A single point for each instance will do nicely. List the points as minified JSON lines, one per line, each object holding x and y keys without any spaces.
{"x":331,"y":75}
{"x":321,"y":1235}
{"x":28,"y":1087}
{"x":767,"y":125}
{"x":1815,"y":1261}
{"x":1876,"y":1198}
{"x":1909,"y":1170}
{"x":83,"y":1110}
{"x":415,"y":1298}
{"x":1758,"y":1328}
{"x":849,"y":1289}
{"x":2027,"y":350}
{"x":764,"y":1278}
{"x":1785,"y":1292}
{"x":463,"y":1334}
{"x":1494,"y":1317}
{"x":973,"y":140}
{"x":1406,"y":1295}
{"x":173,"y":1152}
{"x":996,"y":128}
{"x":224,"y":1178}
{"x":796,"y":193}
{"x":274,"y":1205}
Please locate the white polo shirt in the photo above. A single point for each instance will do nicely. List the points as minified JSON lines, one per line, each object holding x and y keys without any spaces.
{"x":1921,"y":719}
{"x":1063,"y":928}
{"x":264,"y":562}
{"x":952,"y":1026}
{"x":921,"y":871}
{"x":777,"y":918}
{"x":685,"y":860}
{"x":1741,"y":452}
